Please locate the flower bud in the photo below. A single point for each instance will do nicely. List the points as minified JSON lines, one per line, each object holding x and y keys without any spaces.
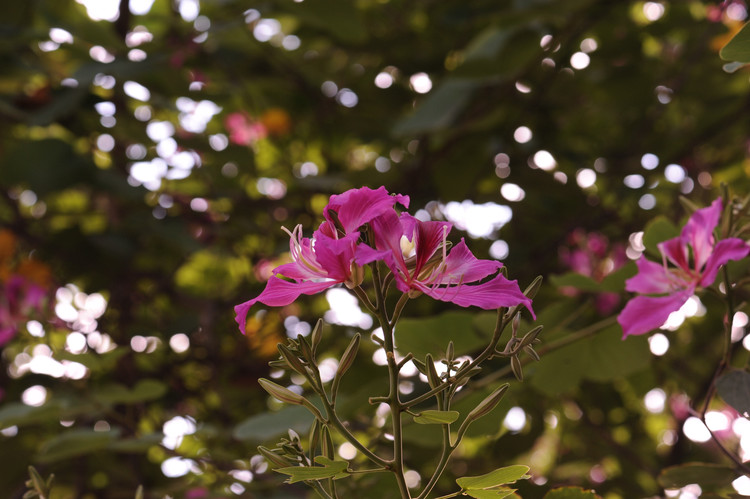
{"x":290,"y":359}
{"x":515,"y":366}
{"x":432,"y":376}
{"x":317,"y":335}
{"x":280,"y":393}
{"x":489,"y":403}
{"x":532,"y":289}
{"x":273,"y":459}
{"x":347,"y":359}
{"x":326,"y":442}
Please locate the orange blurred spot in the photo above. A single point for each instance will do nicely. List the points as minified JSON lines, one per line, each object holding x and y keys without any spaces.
{"x":7,"y":249}
{"x":35,"y":271}
{"x":263,"y":334}
{"x":277,"y":121}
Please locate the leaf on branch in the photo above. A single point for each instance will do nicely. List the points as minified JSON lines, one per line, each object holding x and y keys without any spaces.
{"x":658,"y":230}
{"x":500,"y":476}
{"x":575,"y":280}
{"x":490,"y":494}
{"x":436,"y":417}
{"x":704,"y":474}
{"x":738,"y":48}
{"x":330,"y":469}
{"x":571,"y":493}
{"x":734,"y":388}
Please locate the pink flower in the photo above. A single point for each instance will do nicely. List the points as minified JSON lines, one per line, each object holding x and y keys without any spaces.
{"x":328,"y":258}
{"x":20,"y":300}
{"x":244,"y":131}
{"x":417,"y":254}
{"x":670,"y":287}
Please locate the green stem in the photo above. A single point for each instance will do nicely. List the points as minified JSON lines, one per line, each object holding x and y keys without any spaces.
{"x":320,"y":490}
{"x":334,"y":420}
{"x":455,"y":494}
{"x":500,"y":325}
{"x":397,"y":464}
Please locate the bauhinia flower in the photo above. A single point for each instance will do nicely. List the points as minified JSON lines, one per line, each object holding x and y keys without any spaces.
{"x":20,"y":300}
{"x":417,"y":254}
{"x":695,"y":258}
{"x":328,"y":258}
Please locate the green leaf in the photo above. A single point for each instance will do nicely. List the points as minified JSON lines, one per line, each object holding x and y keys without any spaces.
{"x":575,"y":280}
{"x":500,"y":476}
{"x":612,"y":357}
{"x":431,"y":334}
{"x":75,"y":443}
{"x":658,"y":230}
{"x":136,"y":445}
{"x":571,"y":493}
{"x":17,"y":414}
{"x":56,"y":166}
{"x":438,"y":110}
{"x":734,"y":388}
{"x":330,"y":469}
{"x":738,"y":48}
{"x":436,"y":417}
{"x":615,"y":282}
{"x":603,"y":357}
{"x":267,"y":426}
{"x":342,"y":20}
{"x":490,"y":494}
{"x":144,"y":390}
{"x":704,"y":474}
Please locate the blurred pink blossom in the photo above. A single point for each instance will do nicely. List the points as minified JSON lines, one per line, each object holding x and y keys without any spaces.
{"x":243,"y":130}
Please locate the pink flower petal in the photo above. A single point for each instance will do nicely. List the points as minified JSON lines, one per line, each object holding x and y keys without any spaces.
{"x":698,"y":232}
{"x":676,"y":252}
{"x":429,"y":237}
{"x":279,"y":293}
{"x":496,"y":293}
{"x":725,"y":250}
{"x":652,"y":278}
{"x":461,"y":265}
{"x":356,"y":207}
{"x":646,"y":313}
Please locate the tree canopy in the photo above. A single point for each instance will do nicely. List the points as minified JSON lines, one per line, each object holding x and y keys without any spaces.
{"x":151,"y":151}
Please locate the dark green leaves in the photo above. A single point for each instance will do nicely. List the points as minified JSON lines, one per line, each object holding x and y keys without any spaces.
{"x":75,"y":443}
{"x":704,"y":474}
{"x":571,"y":493}
{"x":495,"y":478}
{"x":602,"y":357}
{"x":330,"y":469}
{"x":269,"y":425}
{"x":432,"y":334}
{"x":436,"y":417}
{"x":738,"y":48}
{"x":734,"y":388}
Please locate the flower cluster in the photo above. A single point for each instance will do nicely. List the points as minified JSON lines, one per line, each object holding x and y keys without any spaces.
{"x":362,"y":226}
{"x":591,"y":254}
{"x":23,"y":288}
{"x":695,"y":256}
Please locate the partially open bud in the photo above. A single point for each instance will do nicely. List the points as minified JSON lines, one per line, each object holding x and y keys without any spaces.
{"x":515,"y":366}
{"x":280,"y":393}
{"x":347,"y":359}
{"x":433,"y":378}
{"x":356,"y":277}
{"x":317,"y":335}
{"x":489,"y":403}
{"x":274,"y":460}
{"x":290,"y":359}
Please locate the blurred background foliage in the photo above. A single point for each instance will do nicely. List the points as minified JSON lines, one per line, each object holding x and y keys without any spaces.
{"x":150,"y":150}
